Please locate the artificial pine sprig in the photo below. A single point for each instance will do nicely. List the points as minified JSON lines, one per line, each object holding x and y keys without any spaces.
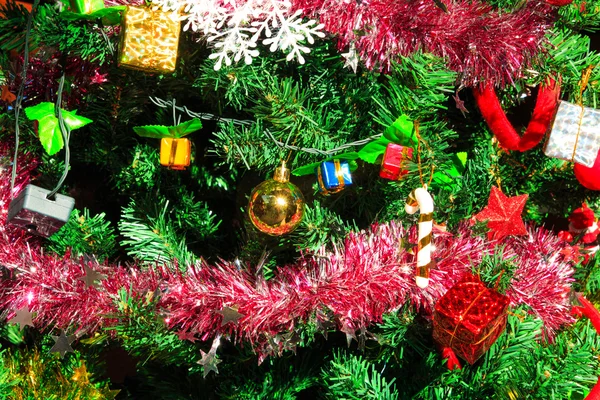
{"x":152,"y":238}
{"x":320,"y":227}
{"x":519,"y":365}
{"x":352,"y":377}
{"x":84,"y":234}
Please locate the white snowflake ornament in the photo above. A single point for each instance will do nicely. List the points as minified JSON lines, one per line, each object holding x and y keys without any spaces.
{"x":234,"y":27}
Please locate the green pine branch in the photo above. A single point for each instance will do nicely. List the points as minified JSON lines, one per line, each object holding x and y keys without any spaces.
{"x":320,"y":226}
{"x":352,"y":377}
{"x":151,"y":238}
{"x":144,"y":334}
{"x":521,"y":365}
{"x":83,"y":234}
{"x":282,"y":378}
{"x":12,"y":28}
{"x":581,"y":16}
{"x":496,"y":270}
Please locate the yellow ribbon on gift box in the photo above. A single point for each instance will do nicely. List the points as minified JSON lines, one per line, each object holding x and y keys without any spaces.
{"x":585,"y":77}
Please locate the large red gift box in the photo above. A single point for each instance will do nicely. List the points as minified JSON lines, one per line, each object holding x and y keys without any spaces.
{"x":469,"y":318}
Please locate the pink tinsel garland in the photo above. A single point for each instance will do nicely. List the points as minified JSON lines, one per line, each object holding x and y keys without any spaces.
{"x":479,"y":43}
{"x":360,"y":280}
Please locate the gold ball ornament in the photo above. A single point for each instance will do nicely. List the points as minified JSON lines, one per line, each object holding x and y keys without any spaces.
{"x":276,"y":206}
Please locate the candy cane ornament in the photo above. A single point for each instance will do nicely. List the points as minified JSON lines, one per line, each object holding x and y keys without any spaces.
{"x":421,"y":199}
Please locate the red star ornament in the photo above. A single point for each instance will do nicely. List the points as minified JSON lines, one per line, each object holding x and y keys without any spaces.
{"x":503,"y":215}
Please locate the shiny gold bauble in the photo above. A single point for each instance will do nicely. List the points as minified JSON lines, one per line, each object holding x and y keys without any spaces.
{"x":276,"y":206}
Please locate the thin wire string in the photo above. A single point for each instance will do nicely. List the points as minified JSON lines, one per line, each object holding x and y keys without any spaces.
{"x":66,"y":134}
{"x":176,"y":121}
{"x":207,"y":116}
{"x":323,"y":152}
{"x":20,"y":94}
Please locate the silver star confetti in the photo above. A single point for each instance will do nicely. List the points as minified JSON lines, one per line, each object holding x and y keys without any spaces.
{"x":324,"y":322}
{"x":91,"y":277}
{"x":290,"y":341}
{"x":460,"y":104}
{"x":229,"y":315}
{"x":349,"y":331}
{"x":351,"y":58}
{"x":62,"y":344}
{"x":23,"y":317}
{"x":209,"y":360}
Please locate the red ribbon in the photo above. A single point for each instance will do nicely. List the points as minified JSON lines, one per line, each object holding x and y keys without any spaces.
{"x":453,"y":362}
{"x":543,"y":114}
{"x":587,"y":309}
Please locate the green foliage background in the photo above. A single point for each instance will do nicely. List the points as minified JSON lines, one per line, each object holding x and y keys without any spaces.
{"x":130,"y":208}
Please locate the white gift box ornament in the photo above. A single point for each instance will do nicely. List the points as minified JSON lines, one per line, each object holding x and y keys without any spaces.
{"x":575,"y":135}
{"x":34,"y":211}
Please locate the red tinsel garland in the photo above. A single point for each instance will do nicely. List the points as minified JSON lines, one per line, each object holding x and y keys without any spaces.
{"x":360,"y":280}
{"x":481,"y":44}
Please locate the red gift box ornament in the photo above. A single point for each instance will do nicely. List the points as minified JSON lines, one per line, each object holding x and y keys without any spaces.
{"x":469,"y":318}
{"x":393,"y":165}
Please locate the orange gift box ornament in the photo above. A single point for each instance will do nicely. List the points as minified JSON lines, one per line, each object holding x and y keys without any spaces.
{"x":150,"y":39}
{"x":175,"y":150}
{"x":175,"y":153}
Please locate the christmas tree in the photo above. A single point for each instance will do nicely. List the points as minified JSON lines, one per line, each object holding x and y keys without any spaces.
{"x":281,"y":199}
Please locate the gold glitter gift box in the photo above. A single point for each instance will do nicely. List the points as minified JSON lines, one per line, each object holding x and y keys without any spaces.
{"x":150,"y":40}
{"x":575,"y":135}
